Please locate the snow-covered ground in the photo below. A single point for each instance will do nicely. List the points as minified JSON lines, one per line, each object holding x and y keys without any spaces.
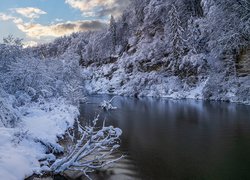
{"x":114,"y":79}
{"x":22,"y":147}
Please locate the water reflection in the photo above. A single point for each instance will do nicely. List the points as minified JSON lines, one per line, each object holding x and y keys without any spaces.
{"x":178,"y":139}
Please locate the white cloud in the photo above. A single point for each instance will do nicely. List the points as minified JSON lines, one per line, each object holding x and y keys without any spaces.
{"x":39,"y":32}
{"x":98,"y":7}
{"x":5,"y":17}
{"x":86,"y":5}
{"x":56,"y":30}
{"x":29,"y":12}
{"x":36,"y":30}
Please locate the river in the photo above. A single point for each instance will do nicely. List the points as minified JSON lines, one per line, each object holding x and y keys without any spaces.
{"x":177,"y":139}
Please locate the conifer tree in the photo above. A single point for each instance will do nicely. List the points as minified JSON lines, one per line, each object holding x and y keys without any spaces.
{"x":112,"y":30}
{"x":176,"y":33}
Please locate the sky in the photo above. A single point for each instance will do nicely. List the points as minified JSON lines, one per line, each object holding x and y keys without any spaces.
{"x":40,"y":21}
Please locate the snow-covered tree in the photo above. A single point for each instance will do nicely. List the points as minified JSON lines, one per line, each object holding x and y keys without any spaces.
{"x":113,"y":32}
{"x":175,"y":36}
{"x":9,"y":116}
{"x":193,"y":36}
{"x":10,"y":50}
{"x":228,"y":23}
{"x":139,"y":7}
{"x":12,"y":41}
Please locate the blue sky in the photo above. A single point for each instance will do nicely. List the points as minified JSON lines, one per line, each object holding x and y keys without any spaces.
{"x":38,"y":21}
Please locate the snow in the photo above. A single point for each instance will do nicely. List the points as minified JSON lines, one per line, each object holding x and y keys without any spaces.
{"x":46,"y":124}
{"x":19,"y":156}
{"x":106,"y":105}
{"x":152,"y":84}
{"x":18,"y":161}
{"x":137,"y":58}
{"x":196,"y":93}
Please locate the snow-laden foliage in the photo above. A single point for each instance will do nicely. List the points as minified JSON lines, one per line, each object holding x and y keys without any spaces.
{"x":8,"y":114}
{"x":168,"y":48}
{"x":112,"y":31}
{"x":107,"y":105}
{"x":43,"y":78}
{"x":91,"y":151}
{"x":175,"y":39}
{"x":229,"y":24}
{"x":39,"y":95}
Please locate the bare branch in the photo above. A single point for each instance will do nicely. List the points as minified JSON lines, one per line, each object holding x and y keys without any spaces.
{"x":91,"y":152}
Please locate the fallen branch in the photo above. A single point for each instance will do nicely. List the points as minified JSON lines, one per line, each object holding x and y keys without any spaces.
{"x":106,"y":105}
{"x":91,"y":151}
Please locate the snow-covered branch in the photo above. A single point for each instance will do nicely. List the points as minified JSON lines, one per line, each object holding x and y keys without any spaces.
{"x":91,"y":150}
{"x":106,"y":105}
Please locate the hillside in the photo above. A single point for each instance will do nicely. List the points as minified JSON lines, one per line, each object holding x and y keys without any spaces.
{"x":181,"y":49}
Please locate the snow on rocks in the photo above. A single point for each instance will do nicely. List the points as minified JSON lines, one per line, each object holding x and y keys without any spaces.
{"x":22,"y":147}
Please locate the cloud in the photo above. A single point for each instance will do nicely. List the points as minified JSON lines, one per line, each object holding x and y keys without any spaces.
{"x":92,"y":25}
{"x":29,"y":12}
{"x":35,"y":30}
{"x":99,"y":8}
{"x":5,"y":17}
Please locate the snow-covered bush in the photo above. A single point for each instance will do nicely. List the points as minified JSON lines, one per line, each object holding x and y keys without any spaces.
{"x":30,"y":78}
{"x":193,"y":65}
{"x":9,"y":116}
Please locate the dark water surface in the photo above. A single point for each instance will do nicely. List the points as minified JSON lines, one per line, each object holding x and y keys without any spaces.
{"x":178,"y":139}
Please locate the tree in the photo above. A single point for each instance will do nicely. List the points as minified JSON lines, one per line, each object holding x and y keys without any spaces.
{"x":231,"y":33}
{"x":176,"y":37}
{"x":10,"y":51}
{"x":139,"y":7}
{"x":112,"y":30}
{"x":194,"y":35}
{"x":12,"y":41}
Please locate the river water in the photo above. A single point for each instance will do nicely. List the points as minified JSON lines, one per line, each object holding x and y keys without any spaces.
{"x":177,"y":139}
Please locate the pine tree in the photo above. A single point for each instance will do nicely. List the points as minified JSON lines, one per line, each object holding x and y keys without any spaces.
{"x":176,"y":40}
{"x":12,"y":41}
{"x":112,"y":30}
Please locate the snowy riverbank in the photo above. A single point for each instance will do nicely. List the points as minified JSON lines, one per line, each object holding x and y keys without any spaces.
{"x":22,"y":147}
{"x":114,"y":79}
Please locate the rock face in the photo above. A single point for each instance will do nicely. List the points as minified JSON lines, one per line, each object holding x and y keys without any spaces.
{"x":243,"y":64}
